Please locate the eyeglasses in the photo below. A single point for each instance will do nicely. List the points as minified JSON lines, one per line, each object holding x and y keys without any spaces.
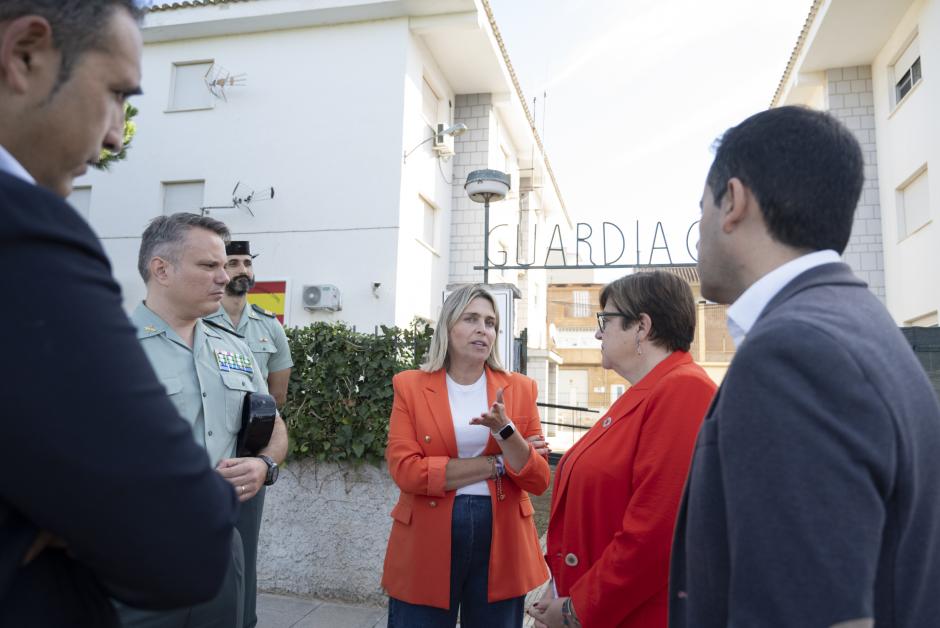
{"x":603,"y":316}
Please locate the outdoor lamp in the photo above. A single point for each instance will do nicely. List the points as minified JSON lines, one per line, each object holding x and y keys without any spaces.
{"x":458,"y":129}
{"x":482,"y":186}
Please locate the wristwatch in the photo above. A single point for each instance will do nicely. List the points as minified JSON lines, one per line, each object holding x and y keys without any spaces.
{"x":505,"y":431}
{"x":271,"y":477}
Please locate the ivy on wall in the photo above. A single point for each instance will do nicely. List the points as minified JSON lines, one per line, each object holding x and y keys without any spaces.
{"x":340,"y":393}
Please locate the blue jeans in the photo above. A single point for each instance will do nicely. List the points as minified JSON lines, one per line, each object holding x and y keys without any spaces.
{"x":470,"y":535}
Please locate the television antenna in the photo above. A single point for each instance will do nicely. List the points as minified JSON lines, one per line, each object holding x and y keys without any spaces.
{"x":218,"y":78}
{"x":242,"y":198}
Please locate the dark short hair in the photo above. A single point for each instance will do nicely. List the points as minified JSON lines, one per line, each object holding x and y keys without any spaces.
{"x":661,"y":295}
{"x":164,"y":237}
{"x":804,"y":168}
{"x":77,"y":25}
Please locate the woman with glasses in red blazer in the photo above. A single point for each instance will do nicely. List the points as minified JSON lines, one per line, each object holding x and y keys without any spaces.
{"x":617,"y":490}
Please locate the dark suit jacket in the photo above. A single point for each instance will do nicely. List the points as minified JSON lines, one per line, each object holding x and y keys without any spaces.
{"x":94,"y":452}
{"x":813,"y":496}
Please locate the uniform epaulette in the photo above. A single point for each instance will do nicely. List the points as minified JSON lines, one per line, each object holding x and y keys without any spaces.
{"x":222,"y":327}
{"x":260,"y":310}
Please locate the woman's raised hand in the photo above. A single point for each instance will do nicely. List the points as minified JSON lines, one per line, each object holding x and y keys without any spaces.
{"x":495,"y":418}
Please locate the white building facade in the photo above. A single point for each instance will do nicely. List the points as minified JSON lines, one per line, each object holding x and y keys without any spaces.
{"x":333,"y":105}
{"x":870,"y":63}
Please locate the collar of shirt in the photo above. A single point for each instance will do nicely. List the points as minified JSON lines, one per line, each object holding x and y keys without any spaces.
{"x":150,"y":323}
{"x":10,"y":165}
{"x":744,"y":312}
{"x":250,"y":311}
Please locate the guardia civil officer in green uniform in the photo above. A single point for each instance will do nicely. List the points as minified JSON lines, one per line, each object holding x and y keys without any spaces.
{"x":268,"y":343}
{"x":260,"y":327}
{"x":206,"y":370}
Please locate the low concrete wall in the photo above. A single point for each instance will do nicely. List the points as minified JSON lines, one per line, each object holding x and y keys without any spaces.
{"x":325,"y":531}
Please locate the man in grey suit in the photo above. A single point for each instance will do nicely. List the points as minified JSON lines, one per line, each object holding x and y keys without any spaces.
{"x":812,"y":499}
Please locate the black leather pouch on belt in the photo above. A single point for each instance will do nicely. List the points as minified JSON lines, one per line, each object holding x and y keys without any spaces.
{"x":258,"y":414}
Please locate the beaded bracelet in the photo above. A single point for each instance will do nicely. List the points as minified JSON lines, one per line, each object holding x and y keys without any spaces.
{"x":498,"y":478}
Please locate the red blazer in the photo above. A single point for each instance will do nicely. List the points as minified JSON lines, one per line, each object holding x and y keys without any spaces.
{"x":616,"y":495}
{"x":420,"y":442}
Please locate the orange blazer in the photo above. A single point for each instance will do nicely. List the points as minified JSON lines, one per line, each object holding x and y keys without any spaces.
{"x":616,"y":496}
{"x":420,"y":442}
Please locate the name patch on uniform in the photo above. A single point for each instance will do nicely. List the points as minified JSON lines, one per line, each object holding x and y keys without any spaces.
{"x":229,"y":361}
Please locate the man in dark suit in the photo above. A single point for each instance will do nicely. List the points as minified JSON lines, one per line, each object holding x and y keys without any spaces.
{"x":105,"y":492}
{"x":812,"y":498}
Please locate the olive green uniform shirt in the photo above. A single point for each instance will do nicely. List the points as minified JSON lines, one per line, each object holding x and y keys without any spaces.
{"x":264,"y":335}
{"x":207,"y":382}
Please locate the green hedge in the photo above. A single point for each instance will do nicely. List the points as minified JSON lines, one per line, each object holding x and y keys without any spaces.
{"x":340,"y":392}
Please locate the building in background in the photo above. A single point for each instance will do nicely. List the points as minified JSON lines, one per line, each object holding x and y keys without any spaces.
{"x":311,"y":129}
{"x":869,"y":63}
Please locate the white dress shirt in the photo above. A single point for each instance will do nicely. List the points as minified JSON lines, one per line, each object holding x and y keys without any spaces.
{"x":10,"y":165}
{"x":743,"y":313}
{"x":467,"y":402}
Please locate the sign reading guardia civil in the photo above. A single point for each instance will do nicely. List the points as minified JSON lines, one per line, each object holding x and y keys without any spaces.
{"x":603,"y":247}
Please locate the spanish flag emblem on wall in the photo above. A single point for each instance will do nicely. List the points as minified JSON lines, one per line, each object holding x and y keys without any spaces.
{"x":271,"y":295}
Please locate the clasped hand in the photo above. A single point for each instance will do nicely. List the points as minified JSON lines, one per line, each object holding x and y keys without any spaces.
{"x":547,"y":612}
{"x":247,"y":475}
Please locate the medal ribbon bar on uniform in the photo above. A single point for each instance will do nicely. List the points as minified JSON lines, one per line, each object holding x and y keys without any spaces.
{"x":229,"y":361}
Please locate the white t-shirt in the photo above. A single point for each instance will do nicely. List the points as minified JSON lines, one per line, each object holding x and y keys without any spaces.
{"x":467,"y":402}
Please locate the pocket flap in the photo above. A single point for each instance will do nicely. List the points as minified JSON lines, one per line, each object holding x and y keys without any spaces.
{"x":525,"y":508}
{"x":262,"y":347}
{"x":238,"y":381}
{"x":402,"y":513}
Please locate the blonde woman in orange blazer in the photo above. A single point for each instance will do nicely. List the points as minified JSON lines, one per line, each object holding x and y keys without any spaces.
{"x":463,"y":539}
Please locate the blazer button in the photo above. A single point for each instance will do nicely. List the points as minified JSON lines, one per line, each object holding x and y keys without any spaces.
{"x":571,"y":560}
{"x":432,"y":504}
{"x":427,"y":438}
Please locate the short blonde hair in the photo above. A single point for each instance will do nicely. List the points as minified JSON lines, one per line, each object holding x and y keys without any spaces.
{"x":454,"y":305}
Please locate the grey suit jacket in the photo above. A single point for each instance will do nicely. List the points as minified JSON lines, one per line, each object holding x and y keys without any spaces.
{"x":814,"y":493}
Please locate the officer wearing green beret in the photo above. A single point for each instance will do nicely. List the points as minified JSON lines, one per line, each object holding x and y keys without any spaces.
{"x":206,"y":370}
{"x":268,"y":343}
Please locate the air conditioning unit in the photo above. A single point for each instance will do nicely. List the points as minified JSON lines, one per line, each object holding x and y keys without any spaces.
{"x":322,"y":297}
{"x":443,"y":144}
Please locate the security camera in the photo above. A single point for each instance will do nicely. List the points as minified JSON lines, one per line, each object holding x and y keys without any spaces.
{"x":375,"y":288}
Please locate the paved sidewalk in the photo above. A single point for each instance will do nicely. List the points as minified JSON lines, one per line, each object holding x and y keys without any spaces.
{"x":281,"y":611}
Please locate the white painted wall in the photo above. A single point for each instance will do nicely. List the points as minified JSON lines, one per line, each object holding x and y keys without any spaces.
{"x":333,"y":98}
{"x":320,"y":119}
{"x":422,"y":272}
{"x":908,"y":137}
